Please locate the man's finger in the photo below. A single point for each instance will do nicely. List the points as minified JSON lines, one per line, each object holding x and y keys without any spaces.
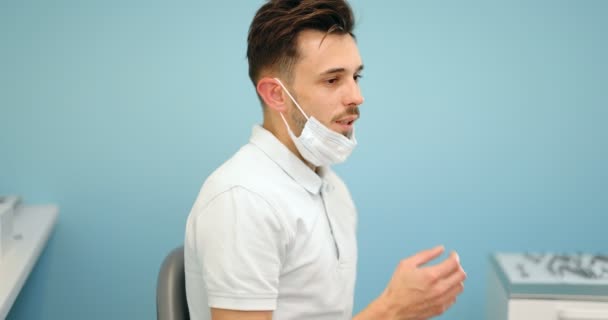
{"x":451,"y":294}
{"x":456,"y":278}
{"x":441,"y":303}
{"x":425,"y":256}
{"x":447,"y":267}
{"x":454,"y":284}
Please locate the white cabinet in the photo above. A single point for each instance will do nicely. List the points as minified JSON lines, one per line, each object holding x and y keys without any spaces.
{"x":547,"y":287}
{"x":8,"y":204}
{"x":32,"y":226}
{"x":541,"y":309}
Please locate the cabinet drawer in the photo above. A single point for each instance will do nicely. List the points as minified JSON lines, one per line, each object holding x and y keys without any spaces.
{"x":538,"y":309}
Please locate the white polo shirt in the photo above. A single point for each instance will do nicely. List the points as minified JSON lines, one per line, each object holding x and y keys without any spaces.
{"x":268,"y":233}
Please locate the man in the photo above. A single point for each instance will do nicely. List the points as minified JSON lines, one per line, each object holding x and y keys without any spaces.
{"x":272,"y":232}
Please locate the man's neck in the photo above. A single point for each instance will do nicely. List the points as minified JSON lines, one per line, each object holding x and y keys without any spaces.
{"x":283,"y":136}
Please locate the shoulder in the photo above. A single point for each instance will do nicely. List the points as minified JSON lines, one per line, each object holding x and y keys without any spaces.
{"x":249,"y":169}
{"x":244,"y":185}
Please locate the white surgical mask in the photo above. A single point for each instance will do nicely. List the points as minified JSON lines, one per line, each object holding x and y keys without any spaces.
{"x":318,"y":144}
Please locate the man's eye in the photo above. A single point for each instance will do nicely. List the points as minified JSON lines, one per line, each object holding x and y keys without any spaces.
{"x":332,"y":80}
{"x":357,"y":77}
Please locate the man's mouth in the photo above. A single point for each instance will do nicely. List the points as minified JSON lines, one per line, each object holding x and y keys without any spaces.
{"x":346,"y":124}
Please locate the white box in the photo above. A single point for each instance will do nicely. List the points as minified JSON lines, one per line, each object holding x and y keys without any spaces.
{"x":8,"y":205}
{"x":547,"y":287}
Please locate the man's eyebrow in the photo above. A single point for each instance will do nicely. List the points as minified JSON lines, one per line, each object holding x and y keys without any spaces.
{"x":338,"y":70}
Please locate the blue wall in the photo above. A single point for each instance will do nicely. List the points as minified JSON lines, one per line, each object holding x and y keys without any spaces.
{"x":484,"y":128}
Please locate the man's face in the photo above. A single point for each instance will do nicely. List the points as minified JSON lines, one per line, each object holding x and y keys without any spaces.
{"x":325,"y":81}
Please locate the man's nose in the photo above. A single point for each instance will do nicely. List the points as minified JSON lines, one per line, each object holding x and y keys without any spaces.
{"x":354,"y":96}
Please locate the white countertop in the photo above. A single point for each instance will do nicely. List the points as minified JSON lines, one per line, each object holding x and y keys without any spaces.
{"x":575,"y":277}
{"x":32,"y":226}
{"x":550,"y":268}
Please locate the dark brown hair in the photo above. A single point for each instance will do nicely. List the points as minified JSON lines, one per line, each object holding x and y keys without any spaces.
{"x":272,"y":40}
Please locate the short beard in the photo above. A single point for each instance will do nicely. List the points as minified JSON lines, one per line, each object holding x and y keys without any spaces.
{"x":298,"y":119}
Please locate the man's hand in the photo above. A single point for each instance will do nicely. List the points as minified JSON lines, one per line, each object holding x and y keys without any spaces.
{"x":416,"y":292}
{"x":224,"y":314}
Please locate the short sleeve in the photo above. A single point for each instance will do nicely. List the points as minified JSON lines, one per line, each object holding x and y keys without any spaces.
{"x":240,"y":245}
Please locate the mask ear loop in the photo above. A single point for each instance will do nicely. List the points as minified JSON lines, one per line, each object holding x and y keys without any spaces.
{"x":292,"y":99}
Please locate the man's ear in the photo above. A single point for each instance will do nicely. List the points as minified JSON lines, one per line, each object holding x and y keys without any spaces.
{"x":272,"y":94}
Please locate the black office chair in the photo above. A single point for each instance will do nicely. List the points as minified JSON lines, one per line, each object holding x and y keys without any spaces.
{"x":171,"y":303}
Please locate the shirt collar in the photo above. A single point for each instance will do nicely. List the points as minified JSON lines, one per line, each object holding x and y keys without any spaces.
{"x":285,"y":159}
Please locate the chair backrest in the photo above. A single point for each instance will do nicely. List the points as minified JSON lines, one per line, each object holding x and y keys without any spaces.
{"x":171,"y":303}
